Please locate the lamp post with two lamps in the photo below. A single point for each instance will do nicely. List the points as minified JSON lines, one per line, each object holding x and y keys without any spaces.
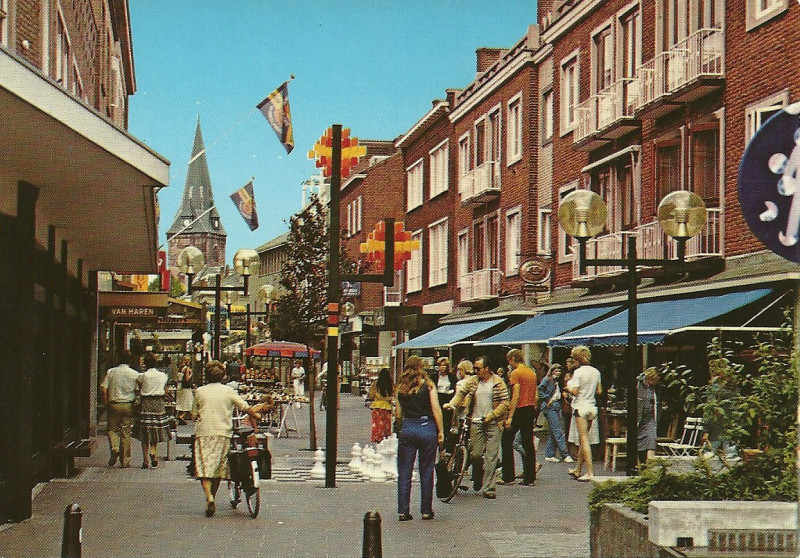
{"x":191,"y":259}
{"x":681,"y":215}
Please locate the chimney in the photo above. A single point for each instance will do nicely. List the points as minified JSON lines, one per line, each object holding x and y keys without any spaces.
{"x":451,"y":97}
{"x":486,"y":56}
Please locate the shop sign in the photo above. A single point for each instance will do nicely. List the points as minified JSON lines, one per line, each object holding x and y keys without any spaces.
{"x":769,"y":183}
{"x":131,"y":312}
{"x":180,"y":322}
{"x":351,"y":289}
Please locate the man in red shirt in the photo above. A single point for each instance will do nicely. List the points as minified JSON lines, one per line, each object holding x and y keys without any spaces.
{"x":521,"y":417}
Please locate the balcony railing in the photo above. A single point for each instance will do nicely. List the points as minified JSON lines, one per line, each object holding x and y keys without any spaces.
{"x":699,"y":55}
{"x":480,"y":285}
{"x":605,"y":109}
{"x":651,"y":242}
{"x":480,"y":183}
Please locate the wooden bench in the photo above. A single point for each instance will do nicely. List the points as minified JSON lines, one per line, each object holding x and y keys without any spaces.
{"x":66,"y":452}
{"x":613,"y":452}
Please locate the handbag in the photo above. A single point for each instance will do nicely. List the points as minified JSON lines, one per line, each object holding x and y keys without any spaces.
{"x":444,"y":482}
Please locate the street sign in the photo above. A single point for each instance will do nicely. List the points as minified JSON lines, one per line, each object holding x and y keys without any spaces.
{"x":769,"y":183}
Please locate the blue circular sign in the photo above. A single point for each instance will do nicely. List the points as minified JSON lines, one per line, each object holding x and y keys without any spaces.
{"x":769,"y":183}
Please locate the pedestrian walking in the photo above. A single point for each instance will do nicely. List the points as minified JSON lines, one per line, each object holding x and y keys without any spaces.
{"x":444,"y":378}
{"x":421,"y":432}
{"x":485,"y":396}
{"x":185,"y":397}
{"x":213,"y":414}
{"x":153,"y":420}
{"x":522,"y":412}
{"x":298,"y":376}
{"x":585,"y":386}
{"x":550,"y":401}
{"x":647,"y":413}
{"x":118,"y":390}
{"x":381,"y":394}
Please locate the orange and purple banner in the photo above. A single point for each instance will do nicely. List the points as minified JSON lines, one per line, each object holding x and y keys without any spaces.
{"x":275,"y":109}
{"x":245,"y":201}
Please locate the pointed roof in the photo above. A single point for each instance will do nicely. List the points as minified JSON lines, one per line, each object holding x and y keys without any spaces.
{"x":197,"y":195}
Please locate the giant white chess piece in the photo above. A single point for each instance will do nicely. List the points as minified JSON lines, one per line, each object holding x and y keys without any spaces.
{"x":318,"y":470}
{"x":355,"y":464}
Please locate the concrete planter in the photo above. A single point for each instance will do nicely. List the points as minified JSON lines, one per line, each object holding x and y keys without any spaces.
{"x":619,"y":532}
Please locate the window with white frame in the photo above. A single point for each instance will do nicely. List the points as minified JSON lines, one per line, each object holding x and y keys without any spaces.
{"x":547,"y":116}
{"x":4,"y":22}
{"x":681,"y":18}
{"x":565,"y":251}
{"x":438,"y":169}
{"x":513,"y":240}
{"x":514,"y":132}
{"x":630,"y":43}
{"x":603,"y":58}
{"x":758,"y":113}
{"x":437,"y":253}
{"x":544,"y":230}
{"x":760,"y":11}
{"x":354,"y":216}
{"x":569,"y":92}
{"x":414,"y":276}
{"x":414,"y":186}
{"x":463,"y":155}
{"x":463,"y":255}
{"x":493,"y":136}
{"x":614,"y":185}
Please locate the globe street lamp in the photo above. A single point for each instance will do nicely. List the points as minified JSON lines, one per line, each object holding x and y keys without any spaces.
{"x":681,"y":215}
{"x":245,"y":261}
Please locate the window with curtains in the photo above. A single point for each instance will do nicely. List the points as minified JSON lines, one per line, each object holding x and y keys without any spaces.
{"x":463,"y":255}
{"x":544,"y":230}
{"x":414,"y":186}
{"x":514,"y":129}
{"x":547,"y":116}
{"x":513,"y":240}
{"x":437,"y":253}
{"x":414,"y":266}
{"x":668,"y":168}
{"x":705,"y":163}
{"x":569,"y":92}
{"x":438,"y":169}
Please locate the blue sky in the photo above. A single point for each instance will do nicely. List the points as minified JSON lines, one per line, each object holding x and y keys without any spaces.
{"x":373,"y":66}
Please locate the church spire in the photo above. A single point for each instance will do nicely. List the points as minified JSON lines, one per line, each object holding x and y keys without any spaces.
{"x":197,"y":196}
{"x":197,"y":221}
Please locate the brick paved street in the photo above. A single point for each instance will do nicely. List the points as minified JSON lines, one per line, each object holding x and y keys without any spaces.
{"x":137,"y":513}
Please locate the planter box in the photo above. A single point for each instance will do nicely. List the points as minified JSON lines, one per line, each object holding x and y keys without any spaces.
{"x":739,"y":523}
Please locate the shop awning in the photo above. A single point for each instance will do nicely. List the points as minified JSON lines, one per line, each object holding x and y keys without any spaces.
{"x":448,"y":335}
{"x":543,"y":327}
{"x":286,"y":349}
{"x":657,"y":319}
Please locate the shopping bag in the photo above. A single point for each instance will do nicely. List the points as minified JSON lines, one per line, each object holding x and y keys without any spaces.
{"x":444,"y":482}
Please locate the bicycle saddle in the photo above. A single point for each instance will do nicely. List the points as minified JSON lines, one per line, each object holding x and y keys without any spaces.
{"x":243,"y":431}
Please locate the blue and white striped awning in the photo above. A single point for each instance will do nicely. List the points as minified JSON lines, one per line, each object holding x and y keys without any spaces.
{"x":449,"y":335}
{"x":543,"y":327}
{"x":657,"y":319}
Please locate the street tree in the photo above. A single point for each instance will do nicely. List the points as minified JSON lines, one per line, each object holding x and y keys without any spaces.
{"x":300,"y":314}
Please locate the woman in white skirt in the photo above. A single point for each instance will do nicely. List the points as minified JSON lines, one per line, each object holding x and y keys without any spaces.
{"x":213,"y":413}
{"x":185,"y":397}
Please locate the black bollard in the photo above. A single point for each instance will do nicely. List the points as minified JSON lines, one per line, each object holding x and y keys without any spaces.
{"x":72,"y":538}
{"x":372,"y":535}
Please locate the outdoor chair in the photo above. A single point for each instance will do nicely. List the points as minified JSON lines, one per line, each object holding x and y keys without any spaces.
{"x":689,"y":443}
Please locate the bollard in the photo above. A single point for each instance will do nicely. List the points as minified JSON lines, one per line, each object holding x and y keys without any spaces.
{"x":372,"y":535}
{"x":72,"y":538}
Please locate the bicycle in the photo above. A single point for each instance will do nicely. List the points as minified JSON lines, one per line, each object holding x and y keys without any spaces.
{"x":458,"y":461}
{"x":244,"y":458}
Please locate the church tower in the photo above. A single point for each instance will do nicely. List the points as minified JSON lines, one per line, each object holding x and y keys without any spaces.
{"x":197,"y":222}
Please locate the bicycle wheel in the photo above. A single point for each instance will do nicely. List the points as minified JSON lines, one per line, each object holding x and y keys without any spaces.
{"x":233,"y":492}
{"x":456,"y":467}
{"x":252,"y":494}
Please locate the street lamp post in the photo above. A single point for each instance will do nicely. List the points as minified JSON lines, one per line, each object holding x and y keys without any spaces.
{"x":244,"y":261}
{"x":682,"y":215}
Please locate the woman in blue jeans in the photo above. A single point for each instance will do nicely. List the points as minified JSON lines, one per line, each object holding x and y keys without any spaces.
{"x":418,"y":412}
{"x":550,"y":400}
